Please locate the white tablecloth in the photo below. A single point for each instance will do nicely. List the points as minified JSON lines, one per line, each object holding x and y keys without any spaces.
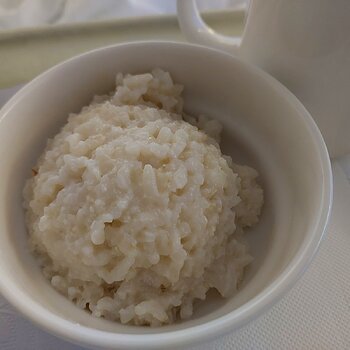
{"x":29,"y":13}
{"x":314,"y":315}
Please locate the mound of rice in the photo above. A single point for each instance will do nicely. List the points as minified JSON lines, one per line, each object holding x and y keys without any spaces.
{"x":134,"y":213}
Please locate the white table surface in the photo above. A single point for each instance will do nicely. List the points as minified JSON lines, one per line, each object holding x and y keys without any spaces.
{"x":315,"y":314}
{"x":34,"y":13}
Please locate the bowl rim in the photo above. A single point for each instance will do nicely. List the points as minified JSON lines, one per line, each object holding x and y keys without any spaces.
{"x":79,"y":334}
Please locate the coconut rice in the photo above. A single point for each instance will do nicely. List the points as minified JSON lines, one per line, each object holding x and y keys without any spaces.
{"x":133,"y":211}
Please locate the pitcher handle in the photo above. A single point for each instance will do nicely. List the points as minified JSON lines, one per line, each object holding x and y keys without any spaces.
{"x":196,"y":31}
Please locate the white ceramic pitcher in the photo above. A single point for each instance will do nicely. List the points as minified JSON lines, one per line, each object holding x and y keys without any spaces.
{"x":303,"y":43}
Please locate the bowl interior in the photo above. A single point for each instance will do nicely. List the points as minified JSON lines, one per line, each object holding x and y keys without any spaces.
{"x":262,"y":128}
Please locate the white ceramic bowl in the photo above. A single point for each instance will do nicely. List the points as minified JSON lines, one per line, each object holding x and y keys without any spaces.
{"x":265,"y":126}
